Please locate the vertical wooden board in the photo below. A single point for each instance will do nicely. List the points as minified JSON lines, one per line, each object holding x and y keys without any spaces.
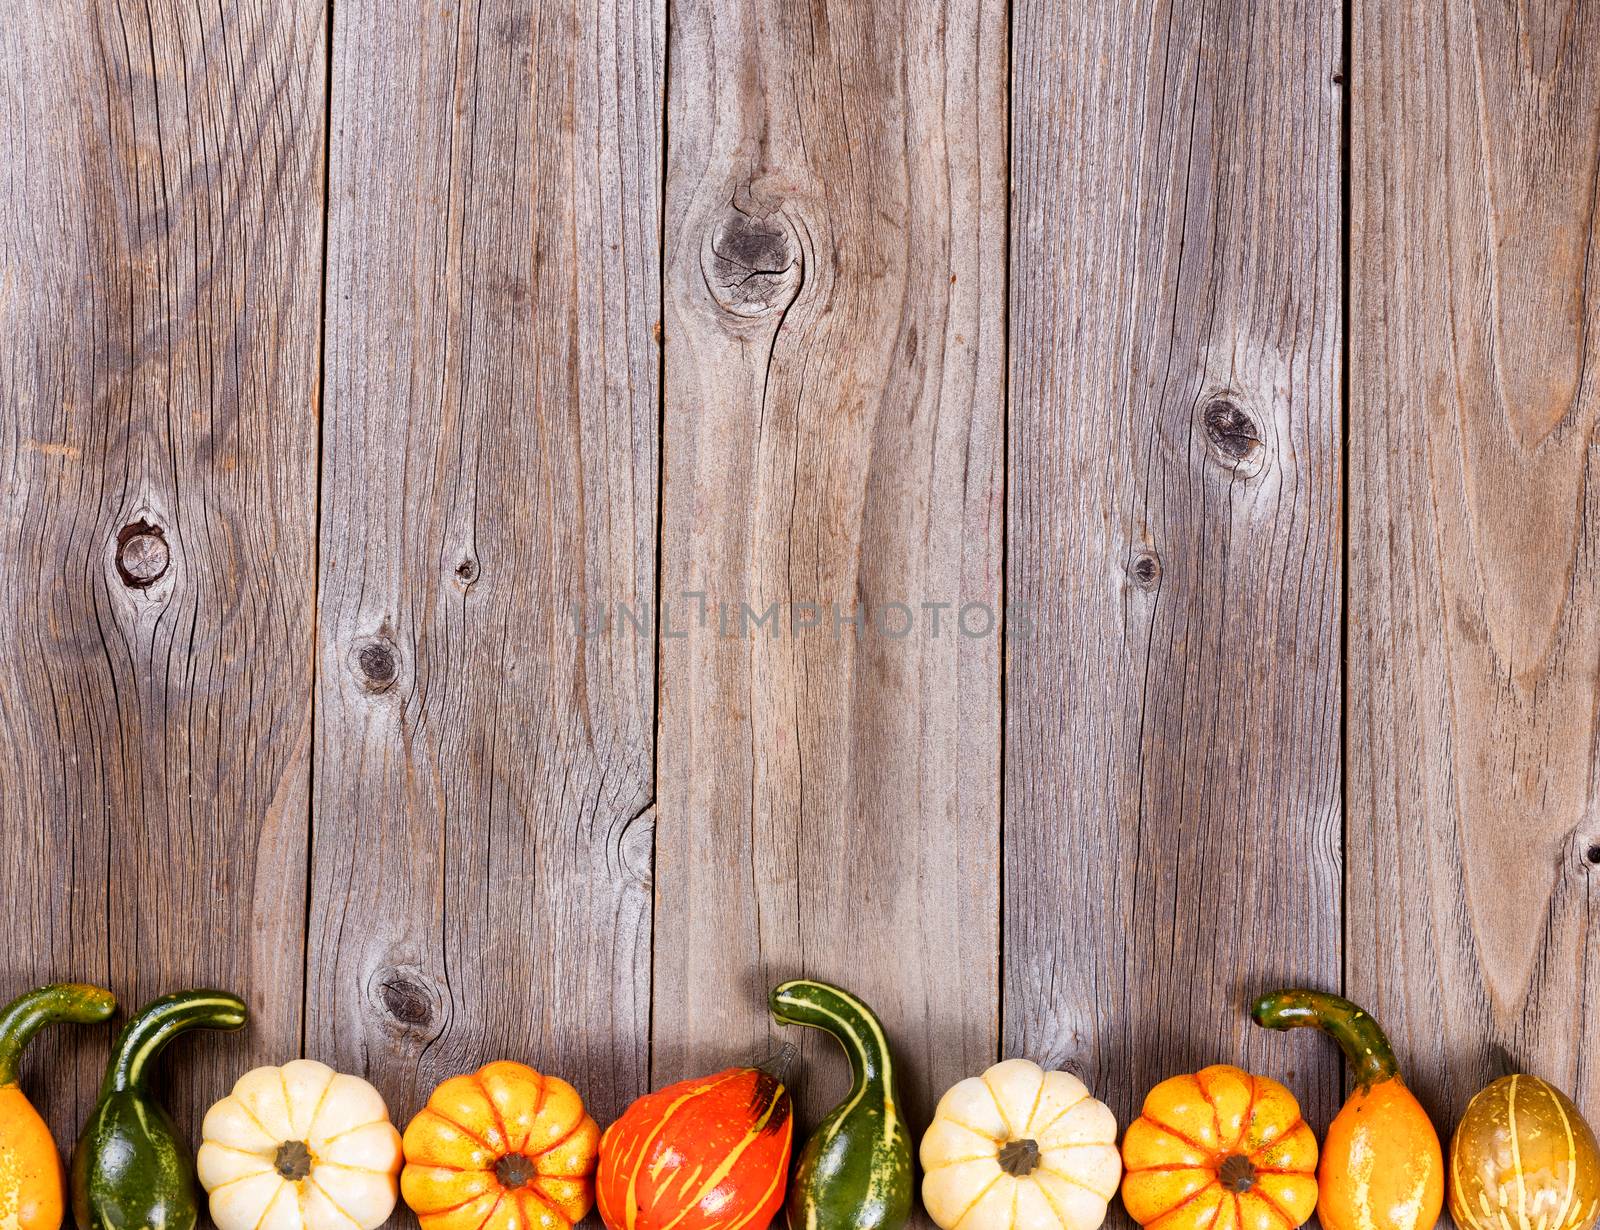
{"x":1474,"y":636}
{"x":482,"y":834}
{"x":1172,"y":725}
{"x":160,"y":257}
{"x":835,"y":340}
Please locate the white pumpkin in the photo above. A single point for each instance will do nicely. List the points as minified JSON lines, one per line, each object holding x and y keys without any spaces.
{"x":300,"y":1147}
{"x":1019,"y":1148}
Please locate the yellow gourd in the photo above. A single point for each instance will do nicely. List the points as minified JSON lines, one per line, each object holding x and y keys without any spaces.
{"x":1523,"y":1156}
{"x":32,"y":1181}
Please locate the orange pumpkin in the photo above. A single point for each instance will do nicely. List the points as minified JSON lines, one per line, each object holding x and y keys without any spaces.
{"x":502,"y":1149}
{"x":704,"y":1153}
{"x":32,"y":1183}
{"x":1382,"y":1168}
{"x":1220,"y":1150}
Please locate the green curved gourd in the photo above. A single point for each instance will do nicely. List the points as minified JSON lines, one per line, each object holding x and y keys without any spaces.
{"x":1358,"y":1035}
{"x":132,"y":1170}
{"x":33,"y":1186}
{"x":855,"y":1171}
{"x":73,"y":1002}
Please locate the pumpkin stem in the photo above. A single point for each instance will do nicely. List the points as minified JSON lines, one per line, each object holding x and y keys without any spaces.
{"x":1358,"y":1035}
{"x":514,"y":1171}
{"x":769,"y":1101}
{"x":1019,"y":1157}
{"x":293,"y":1160}
{"x":1237,"y":1173}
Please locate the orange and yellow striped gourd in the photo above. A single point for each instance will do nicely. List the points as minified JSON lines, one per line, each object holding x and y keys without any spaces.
{"x":704,"y":1154}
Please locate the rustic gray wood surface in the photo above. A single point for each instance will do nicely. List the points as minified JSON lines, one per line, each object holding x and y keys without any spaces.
{"x":1172,"y":725}
{"x":405,"y":421}
{"x":160,"y":291}
{"x":1473,"y":852}
{"x":481,"y":850}
{"x":835,"y":277}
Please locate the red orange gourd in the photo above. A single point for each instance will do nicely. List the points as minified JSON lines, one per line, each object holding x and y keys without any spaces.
{"x":704,"y":1153}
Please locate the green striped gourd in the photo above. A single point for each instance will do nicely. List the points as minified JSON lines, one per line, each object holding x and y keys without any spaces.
{"x":855,"y":1171}
{"x":132,"y":1170}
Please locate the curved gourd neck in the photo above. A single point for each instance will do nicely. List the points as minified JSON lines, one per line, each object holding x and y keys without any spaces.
{"x":145,"y":1036}
{"x":31,"y":1011}
{"x":1358,"y":1035}
{"x":825,"y":1007}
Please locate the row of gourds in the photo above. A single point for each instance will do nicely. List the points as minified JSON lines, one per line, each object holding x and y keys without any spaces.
{"x":301,"y":1147}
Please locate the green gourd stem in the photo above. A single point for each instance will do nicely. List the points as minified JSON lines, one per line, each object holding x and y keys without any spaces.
{"x":804,"y":1002}
{"x":75,"y":1002}
{"x":146,"y":1035}
{"x":1358,"y":1035}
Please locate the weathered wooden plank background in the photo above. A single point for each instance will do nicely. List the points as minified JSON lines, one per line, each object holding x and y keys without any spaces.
{"x":1473,"y":623}
{"x":160,"y":297}
{"x":479,"y":882}
{"x":835,"y":348}
{"x":523,"y":524}
{"x":1172,"y":724}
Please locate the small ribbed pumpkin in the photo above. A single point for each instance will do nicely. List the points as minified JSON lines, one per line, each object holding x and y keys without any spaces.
{"x":704,"y":1153}
{"x":1523,"y":1156}
{"x":1019,"y":1148}
{"x":1219,"y":1149}
{"x":504,"y":1148}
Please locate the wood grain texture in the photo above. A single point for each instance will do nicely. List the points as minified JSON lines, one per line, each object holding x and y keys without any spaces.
{"x":160,"y":255}
{"x":835,"y":339}
{"x":1474,"y":633}
{"x":1172,"y":829}
{"x":482,"y":838}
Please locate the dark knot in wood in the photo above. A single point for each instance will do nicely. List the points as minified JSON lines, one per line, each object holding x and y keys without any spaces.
{"x":1233,"y":434}
{"x":467,"y":571}
{"x":1593,"y":855}
{"x":633,"y":843}
{"x":142,"y":554}
{"x":752,"y":265}
{"x":1145,"y":570}
{"x":406,"y":998}
{"x":378,"y":663}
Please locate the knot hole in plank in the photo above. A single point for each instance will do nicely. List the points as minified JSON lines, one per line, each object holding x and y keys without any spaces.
{"x":1144,"y":570}
{"x":752,"y":264}
{"x":376,"y":660}
{"x":407,"y":998}
{"x":142,"y":554}
{"x":1233,"y":434}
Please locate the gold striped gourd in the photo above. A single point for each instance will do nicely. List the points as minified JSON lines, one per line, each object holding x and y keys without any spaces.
{"x":1523,"y":1159}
